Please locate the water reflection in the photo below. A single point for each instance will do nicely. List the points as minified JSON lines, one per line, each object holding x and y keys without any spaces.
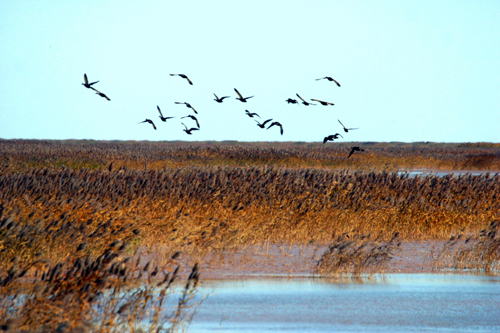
{"x":456,"y":173}
{"x":398,"y":303}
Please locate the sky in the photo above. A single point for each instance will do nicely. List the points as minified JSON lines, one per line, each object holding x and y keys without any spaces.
{"x":409,"y":71}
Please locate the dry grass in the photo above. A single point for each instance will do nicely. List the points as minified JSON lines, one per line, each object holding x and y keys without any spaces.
{"x":356,"y":257}
{"x":63,"y":203}
{"x":477,"y":252}
{"x":389,"y":157}
{"x":56,"y":277}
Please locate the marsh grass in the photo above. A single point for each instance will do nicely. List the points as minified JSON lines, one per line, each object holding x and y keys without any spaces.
{"x":476,"y":252}
{"x":207,"y":198}
{"x":354,"y":257}
{"x":65,"y":284}
{"x":389,"y":157}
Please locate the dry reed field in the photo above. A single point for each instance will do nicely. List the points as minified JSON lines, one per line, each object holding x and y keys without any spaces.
{"x":76,"y":216}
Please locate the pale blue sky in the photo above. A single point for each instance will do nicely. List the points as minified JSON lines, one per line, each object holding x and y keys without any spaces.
{"x":409,"y":70}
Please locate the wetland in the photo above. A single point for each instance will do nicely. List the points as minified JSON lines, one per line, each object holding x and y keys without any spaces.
{"x":101,"y":236}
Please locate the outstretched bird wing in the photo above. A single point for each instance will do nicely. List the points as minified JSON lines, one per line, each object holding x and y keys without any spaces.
{"x":299,"y":97}
{"x":238,"y":93}
{"x":159,"y":111}
{"x":85,"y":79}
{"x":266,"y":121}
{"x":352,"y":152}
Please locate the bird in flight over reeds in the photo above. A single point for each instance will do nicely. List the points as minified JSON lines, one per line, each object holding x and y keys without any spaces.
{"x":329,"y":79}
{"x":347,"y":129}
{"x":241,"y":98}
{"x":194,"y":118}
{"x":322,"y":102}
{"x":353,"y":149}
{"x":263,"y":124}
{"x":275,"y":123}
{"x":303,"y":101}
{"x":292,"y":101}
{"x":148,"y":121}
{"x":331,"y":137}
{"x":100,"y":93}
{"x":188,"y":131}
{"x":184,"y":77}
{"x":86,"y":84}
{"x":219,"y":100}
{"x":161,"y":115}
{"x":251,"y":114}
{"x":187,"y":105}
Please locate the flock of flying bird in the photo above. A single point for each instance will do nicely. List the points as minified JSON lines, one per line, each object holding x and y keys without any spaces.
{"x":242,"y":99}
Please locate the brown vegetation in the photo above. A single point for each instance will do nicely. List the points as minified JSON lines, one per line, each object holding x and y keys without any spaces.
{"x":95,"y":287}
{"x":357,"y":256}
{"x":479,"y":251}
{"x":63,"y":203}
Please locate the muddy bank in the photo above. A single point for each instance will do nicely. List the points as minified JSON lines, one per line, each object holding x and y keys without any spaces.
{"x":298,"y":261}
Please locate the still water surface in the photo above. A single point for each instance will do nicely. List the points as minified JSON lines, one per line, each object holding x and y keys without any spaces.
{"x":399,"y":303}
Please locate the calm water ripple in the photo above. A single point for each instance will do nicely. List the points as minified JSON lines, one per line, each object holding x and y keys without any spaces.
{"x":399,"y":303}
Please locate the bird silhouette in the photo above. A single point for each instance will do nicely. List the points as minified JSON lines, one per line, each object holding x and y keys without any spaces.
{"x":188,"y":131}
{"x":353,"y":149}
{"x":219,"y":100}
{"x":194,"y":118}
{"x":292,"y":101}
{"x":331,"y":137}
{"x":100,"y":93}
{"x":86,"y":84}
{"x":187,"y":105}
{"x":164,"y":119}
{"x":275,"y":123}
{"x":347,"y":129}
{"x":241,"y":98}
{"x":251,"y":114}
{"x":322,"y":102}
{"x":148,"y":121}
{"x":303,"y":101}
{"x":263,"y":124}
{"x":329,"y":79}
{"x":184,"y":77}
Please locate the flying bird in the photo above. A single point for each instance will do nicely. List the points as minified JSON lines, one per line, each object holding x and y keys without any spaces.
{"x":275,"y":123}
{"x":194,"y":118}
{"x":219,"y":100}
{"x":187,"y":105}
{"x":148,"y":121}
{"x":100,"y":93}
{"x":322,"y":102}
{"x":184,"y":77}
{"x":353,"y":149}
{"x":251,"y":114}
{"x":263,"y":124}
{"x":347,"y":129}
{"x":188,"y":131}
{"x":86,"y":84}
{"x":303,"y":101}
{"x":329,"y":79}
{"x":292,"y":101}
{"x":241,"y":98}
{"x":164,"y":119}
{"x":331,"y":137}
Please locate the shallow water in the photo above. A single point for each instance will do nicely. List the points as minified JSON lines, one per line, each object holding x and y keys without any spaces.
{"x":442,"y":173}
{"x":399,"y":303}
